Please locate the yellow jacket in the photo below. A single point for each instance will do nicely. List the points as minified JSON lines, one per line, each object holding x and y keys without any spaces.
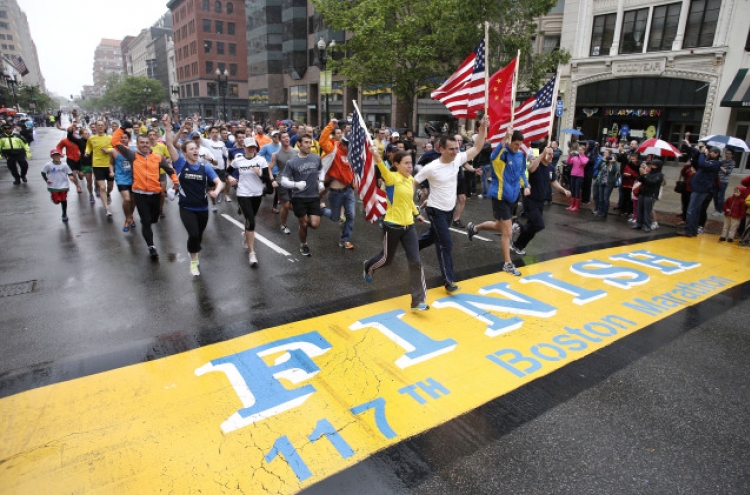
{"x":11,"y":144}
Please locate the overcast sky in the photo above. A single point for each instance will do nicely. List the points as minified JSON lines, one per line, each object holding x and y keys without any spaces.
{"x":66,"y":33}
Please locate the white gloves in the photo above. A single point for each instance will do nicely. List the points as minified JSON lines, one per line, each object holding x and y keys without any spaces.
{"x":300,"y":185}
{"x":321,"y":186}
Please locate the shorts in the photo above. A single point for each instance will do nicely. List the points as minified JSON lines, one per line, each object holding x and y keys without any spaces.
{"x":222,"y":173}
{"x":102,"y":173}
{"x":125,"y":187}
{"x":306,"y":206}
{"x":501,"y":209}
{"x":74,"y":165}
{"x":461,"y":186}
{"x":59,"y":196}
{"x":284,"y":194}
{"x":86,"y":169}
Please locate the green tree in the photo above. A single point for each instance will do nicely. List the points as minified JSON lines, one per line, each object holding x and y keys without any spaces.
{"x":413,"y":46}
{"x":32,"y":94}
{"x":131,"y":94}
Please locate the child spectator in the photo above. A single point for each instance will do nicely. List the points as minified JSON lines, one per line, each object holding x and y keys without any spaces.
{"x":55,"y":174}
{"x":734,"y":211}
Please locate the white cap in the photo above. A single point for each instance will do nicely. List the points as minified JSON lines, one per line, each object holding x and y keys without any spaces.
{"x":248,"y":142}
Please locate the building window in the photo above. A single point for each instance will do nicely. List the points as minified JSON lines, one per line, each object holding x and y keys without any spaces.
{"x":195,"y":68}
{"x":196,"y":93}
{"x":217,"y":7}
{"x":234,"y":90}
{"x":220,"y":48}
{"x":230,"y":28}
{"x":298,"y":94}
{"x":219,"y":27}
{"x":10,"y":37}
{"x":663,"y":27}
{"x":230,"y":8}
{"x":3,"y":14}
{"x":206,"y":6}
{"x":209,"y":67}
{"x":191,"y":26}
{"x":206,"y":25}
{"x":232,"y":69}
{"x":4,"y":25}
{"x":551,"y":43}
{"x":192,"y":48}
{"x":603,"y":34}
{"x":701,"y":23}
{"x":221,"y":66}
{"x":211,"y":89}
{"x":189,"y":93}
{"x":4,"y":46}
{"x":2,"y":36}
{"x":207,"y":46}
{"x":633,"y":31}
{"x":232,"y":49}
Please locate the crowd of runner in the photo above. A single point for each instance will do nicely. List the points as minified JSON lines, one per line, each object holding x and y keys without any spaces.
{"x":304,"y":169}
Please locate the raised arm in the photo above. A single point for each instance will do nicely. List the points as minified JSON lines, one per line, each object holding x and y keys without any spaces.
{"x":171,"y":146}
{"x":479,"y":142}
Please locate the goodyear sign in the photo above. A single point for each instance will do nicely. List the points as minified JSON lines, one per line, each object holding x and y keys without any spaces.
{"x":279,"y":409}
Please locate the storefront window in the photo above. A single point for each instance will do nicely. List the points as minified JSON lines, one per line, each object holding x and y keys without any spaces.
{"x":701,"y":23}
{"x":603,"y":34}
{"x":298,"y":94}
{"x":633,"y":31}
{"x":664,"y":27}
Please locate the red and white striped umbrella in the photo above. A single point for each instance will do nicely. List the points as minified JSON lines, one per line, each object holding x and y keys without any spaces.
{"x":664,"y":147}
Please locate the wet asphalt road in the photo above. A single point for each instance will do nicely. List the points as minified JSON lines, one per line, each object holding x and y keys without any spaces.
{"x":629,"y":419}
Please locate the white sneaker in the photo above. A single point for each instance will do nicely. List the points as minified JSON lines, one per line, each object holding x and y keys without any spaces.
{"x":510,"y":268}
{"x":229,"y":200}
{"x":654,"y":225}
{"x":716,"y":214}
{"x":252,"y":259}
{"x":285,"y":230}
{"x":194,"y":269}
{"x":109,"y":213}
{"x":517,"y":250}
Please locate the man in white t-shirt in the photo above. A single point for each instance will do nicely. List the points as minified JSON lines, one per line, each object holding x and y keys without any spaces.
{"x":219,"y":164}
{"x":442,"y":175}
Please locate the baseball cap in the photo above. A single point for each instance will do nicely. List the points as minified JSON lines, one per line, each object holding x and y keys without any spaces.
{"x":194,"y":135}
{"x":395,"y":134}
{"x":274,"y":133}
{"x":248,"y":142}
{"x":54,"y":152}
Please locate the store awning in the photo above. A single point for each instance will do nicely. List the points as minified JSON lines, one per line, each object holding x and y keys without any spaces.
{"x":738,"y":94}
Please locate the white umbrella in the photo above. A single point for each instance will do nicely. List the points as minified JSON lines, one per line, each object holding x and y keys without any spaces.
{"x":721,"y":141}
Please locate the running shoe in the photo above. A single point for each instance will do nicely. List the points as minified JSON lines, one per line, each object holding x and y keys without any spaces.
{"x":450,"y":287}
{"x":65,"y":218}
{"x":17,"y":182}
{"x":153,"y":253}
{"x":218,"y":199}
{"x":285,"y":230}
{"x":304,"y":250}
{"x":458,"y":224}
{"x":23,"y":179}
{"x":365,"y":275}
{"x":96,"y":191}
{"x":92,"y":200}
{"x":471,"y":230}
{"x":109,"y":213}
{"x":252,"y":259}
{"x":274,"y":210}
{"x":700,"y":230}
{"x":194,"y":271}
{"x":510,"y":268}
{"x":654,"y":225}
{"x":716,"y":214}
{"x":346,"y":245}
{"x":516,"y":232}
{"x":132,"y":224}
{"x":516,"y":250}
{"x":420,"y":307}
{"x":229,"y":200}
{"x":215,"y":209}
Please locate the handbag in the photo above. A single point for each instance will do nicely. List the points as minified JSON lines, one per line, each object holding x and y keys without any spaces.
{"x":679,"y":186}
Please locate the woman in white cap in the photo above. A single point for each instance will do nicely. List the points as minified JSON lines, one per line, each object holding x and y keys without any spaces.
{"x":249,"y":171}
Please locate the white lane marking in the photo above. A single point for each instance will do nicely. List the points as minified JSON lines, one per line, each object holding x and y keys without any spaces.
{"x":258,"y":237}
{"x":463,"y":232}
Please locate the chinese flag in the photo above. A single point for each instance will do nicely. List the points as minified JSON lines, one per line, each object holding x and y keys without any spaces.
{"x":500,"y":96}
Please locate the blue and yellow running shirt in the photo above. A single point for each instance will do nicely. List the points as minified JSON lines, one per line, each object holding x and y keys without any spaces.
{"x":508,"y":173}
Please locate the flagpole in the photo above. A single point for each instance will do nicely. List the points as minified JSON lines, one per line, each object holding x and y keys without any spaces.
{"x":362,"y":122}
{"x":486,"y":67}
{"x":554,"y":102}
{"x":513,"y":98}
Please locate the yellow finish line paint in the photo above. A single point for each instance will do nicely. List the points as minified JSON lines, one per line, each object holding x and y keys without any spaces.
{"x":280,"y":409}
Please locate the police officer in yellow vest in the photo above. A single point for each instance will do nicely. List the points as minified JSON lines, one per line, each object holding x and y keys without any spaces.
{"x":16,"y":151}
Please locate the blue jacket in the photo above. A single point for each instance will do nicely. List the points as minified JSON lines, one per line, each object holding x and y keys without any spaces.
{"x":707,"y":172}
{"x":508,"y":173}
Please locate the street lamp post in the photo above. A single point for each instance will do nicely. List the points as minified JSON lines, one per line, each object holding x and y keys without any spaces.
{"x":11,"y":81}
{"x":222,"y":80}
{"x":147,"y":97}
{"x":175,"y":91}
{"x":325,"y":76}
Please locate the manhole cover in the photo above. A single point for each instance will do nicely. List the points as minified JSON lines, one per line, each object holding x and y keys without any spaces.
{"x":17,"y":289}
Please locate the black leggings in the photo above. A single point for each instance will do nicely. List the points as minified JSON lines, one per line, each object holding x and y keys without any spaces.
{"x":249,"y":206}
{"x":148,"y":209}
{"x":195,"y":223}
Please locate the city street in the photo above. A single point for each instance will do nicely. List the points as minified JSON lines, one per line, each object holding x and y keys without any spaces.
{"x":96,"y":337}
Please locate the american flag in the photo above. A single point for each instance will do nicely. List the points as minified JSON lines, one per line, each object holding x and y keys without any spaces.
{"x":533,"y":118}
{"x":360,"y":159}
{"x":463,"y":92}
{"x":20,"y":65}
